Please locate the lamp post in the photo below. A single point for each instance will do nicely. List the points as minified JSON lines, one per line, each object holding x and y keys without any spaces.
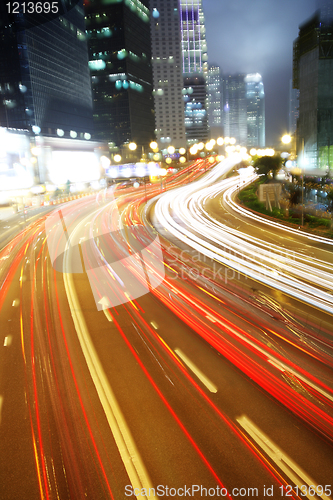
{"x":209,"y":147}
{"x":302,"y":221}
{"x":300,"y":170}
{"x":193,"y":150}
{"x":35,"y":151}
{"x":162,"y":173}
{"x":145,"y":189}
{"x":286,"y":139}
{"x":132,"y":146}
{"x":154,"y":146}
{"x":328,"y":155}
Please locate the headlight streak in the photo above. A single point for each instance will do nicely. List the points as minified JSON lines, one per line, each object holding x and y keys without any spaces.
{"x":39,"y":423}
{"x":33,"y":405}
{"x":44,"y":462}
{"x":171,"y":355}
{"x":185,"y":213}
{"x":200,"y":315}
{"x":289,"y":401}
{"x":313,"y":414}
{"x":243,"y":211}
{"x":259,"y":455}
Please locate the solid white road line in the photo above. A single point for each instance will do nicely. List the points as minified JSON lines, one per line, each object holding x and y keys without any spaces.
{"x":136,"y":470}
{"x":201,"y":376}
{"x":8,"y":340}
{"x":286,"y":464}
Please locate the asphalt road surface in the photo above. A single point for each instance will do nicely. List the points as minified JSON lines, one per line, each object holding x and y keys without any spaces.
{"x":121,"y":371}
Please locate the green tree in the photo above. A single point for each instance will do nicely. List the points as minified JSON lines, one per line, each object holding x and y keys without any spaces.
{"x":267,"y":165}
{"x":294,"y":195}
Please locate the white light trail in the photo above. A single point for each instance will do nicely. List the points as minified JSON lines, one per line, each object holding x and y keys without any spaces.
{"x":182,"y":212}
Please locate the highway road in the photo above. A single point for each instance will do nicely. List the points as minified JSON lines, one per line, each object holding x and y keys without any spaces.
{"x":128,"y":363}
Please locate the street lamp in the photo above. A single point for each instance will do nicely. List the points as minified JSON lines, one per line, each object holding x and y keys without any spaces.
{"x":301,"y":170}
{"x":35,"y":151}
{"x":286,"y":139}
{"x":162,"y":173}
{"x":303,"y":161}
{"x":105,"y":162}
{"x":132,"y":146}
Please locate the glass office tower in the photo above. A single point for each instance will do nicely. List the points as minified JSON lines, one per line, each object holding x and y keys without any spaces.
{"x":215,"y":100}
{"x":235,"y":118}
{"x":293,"y":108}
{"x":255,"y":110}
{"x":312,"y":75}
{"x":167,"y":73}
{"x":44,"y":77}
{"x":195,"y":69}
{"x":244,"y":109}
{"x":120,"y":64}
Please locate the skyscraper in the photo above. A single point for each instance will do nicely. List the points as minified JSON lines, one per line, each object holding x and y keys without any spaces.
{"x":214,"y":101}
{"x":244,"y":109}
{"x":120,"y":63}
{"x":312,"y":75}
{"x":255,"y":110}
{"x":167,"y":73}
{"x":235,"y":118}
{"x":195,"y":69}
{"x":44,"y":77}
{"x":293,"y":108}
{"x":326,"y":11}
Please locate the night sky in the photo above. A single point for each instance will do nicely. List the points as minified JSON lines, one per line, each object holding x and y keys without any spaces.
{"x":256,"y":36}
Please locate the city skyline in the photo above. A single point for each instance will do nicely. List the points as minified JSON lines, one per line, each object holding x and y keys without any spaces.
{"x":237,"y":45}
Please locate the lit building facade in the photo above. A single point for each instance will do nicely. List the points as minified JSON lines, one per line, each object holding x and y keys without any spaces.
{"x":44,"y":78}
{"x":235,"y":118}
{"x":326,"y":10}
{"x":293,"y":108}
{"x":215,"y":101}
{"x":312,"y":76}
{"x":255,"y":110}
{"x":119,"y":44}
{"x":244,"y":109}
{"x":195,"y":69}
{"x":167,"y":73}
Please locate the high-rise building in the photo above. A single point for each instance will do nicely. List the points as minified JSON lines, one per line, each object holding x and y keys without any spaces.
{"x":214,"y":101}
{"x":120,"y":64}
{"x":167,"y":73}
{"x":235,"y":118}
{"x":312,"y":75}
{"x":195,"y":69}
{"x":244,"y":109}
{"x":255,"y":110}
{"x":44,"y":78}
{"x":293,"y":108}
{"x":326,"y":11}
